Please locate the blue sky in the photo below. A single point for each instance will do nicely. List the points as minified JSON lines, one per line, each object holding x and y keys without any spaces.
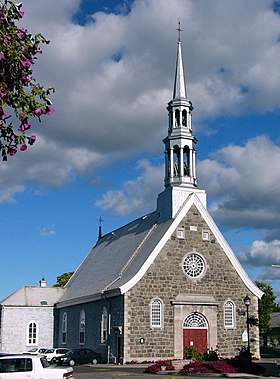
{"x":101,"y":153}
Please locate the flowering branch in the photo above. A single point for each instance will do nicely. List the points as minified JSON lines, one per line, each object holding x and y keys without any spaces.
{"x":20,"y":95}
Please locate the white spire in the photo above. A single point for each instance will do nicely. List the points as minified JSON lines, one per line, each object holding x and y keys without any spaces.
{"x":180,"y":151}
{"x":179,"y":84}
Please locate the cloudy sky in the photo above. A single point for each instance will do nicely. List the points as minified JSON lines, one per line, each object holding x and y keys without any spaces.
{"x":101,"y":153}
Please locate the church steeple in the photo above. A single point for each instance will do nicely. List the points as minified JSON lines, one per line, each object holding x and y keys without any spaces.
{"x":179,"y":83}
{"x":180,"y":152}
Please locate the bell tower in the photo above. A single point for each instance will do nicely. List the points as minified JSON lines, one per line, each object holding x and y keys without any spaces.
{"x":180,"y":152}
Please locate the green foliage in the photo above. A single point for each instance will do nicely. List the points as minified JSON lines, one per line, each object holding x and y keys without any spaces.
{"x":207,"y":355}
{"x":190,"y":353}
{"x":266,"y":307}
{"x":62,"y":279}
{"x":253,"y":321}
{"x":244,"y":354}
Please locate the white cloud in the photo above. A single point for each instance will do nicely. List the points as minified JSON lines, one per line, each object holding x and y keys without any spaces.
{"x":244,"y":180}
{"x":104,"y":107}
{"x":135,"y":196}
{"x":47,"y":231}
{"x":263,"y":253}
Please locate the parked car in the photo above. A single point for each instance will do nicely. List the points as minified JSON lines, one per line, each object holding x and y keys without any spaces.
{"x":35,"y":351}
{"x":31,"y":366}
{"x":78,"y":356}
{"x":50,"y":354}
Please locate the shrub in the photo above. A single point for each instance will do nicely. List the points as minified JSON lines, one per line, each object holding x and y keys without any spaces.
{"x":190,"y":353}
{"x":208,"y":368}
{"x":207,"y":355}
{"x":153,"y":369}
{"x":169,"y":368}
{"x":156,"y":367}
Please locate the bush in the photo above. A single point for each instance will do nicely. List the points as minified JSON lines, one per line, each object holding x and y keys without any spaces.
{"x":208,"y":368}
{"x":153,"y":369}
{"x":207,"y":355}
{"x":156,"y":367}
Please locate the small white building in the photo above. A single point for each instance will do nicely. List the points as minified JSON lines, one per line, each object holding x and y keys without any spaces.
{"x":27,"y":318}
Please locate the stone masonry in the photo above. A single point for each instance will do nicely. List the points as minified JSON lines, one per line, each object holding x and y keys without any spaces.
{"x":166,"y":280}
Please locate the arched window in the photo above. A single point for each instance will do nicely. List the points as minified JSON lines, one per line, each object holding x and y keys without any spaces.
{"x":177,"y":118}
{"x":195,"y":320}
{"x":176,"y":160}
{"x":186,"y":161}
{"x":82,"y":327}
{"x":64,"y":328}
{"x":32,"y":333}
{"x":184,"y":118}
{"x":156,"y":314}
{"x":229,"y":314}
{"x":104,"y":325}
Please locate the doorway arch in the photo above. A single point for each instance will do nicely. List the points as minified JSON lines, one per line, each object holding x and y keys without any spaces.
{"x":195,"y":332}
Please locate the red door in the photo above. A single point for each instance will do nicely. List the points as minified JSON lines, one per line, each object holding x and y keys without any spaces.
{"x":195,"y":338}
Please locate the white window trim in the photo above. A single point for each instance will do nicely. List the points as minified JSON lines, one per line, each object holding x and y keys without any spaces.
{"x":104,"y":325}
{"x":64,"y":329}
{"x":181,"y":233}
{"x":36,"y":336}
{"x":160,"y":325}
{"x":82,"y":318}
{"x":233,"y":314}
{"x":205,"y":235}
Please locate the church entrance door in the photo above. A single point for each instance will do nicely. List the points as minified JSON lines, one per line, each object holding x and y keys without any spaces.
{"x":195,"y":332}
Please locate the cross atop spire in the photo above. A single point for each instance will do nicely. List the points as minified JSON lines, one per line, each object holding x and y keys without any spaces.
{"x":179,"y":91}
{"x":179,"y":30}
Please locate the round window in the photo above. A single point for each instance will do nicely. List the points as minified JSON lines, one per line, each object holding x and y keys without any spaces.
{"x":194,"y":265}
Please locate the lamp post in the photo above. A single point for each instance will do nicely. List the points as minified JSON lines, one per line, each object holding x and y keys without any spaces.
{"x":247,"y":302}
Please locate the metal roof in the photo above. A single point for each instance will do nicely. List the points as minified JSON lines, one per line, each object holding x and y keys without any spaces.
{"x":116,"y":258}
{"x":33,"y":296}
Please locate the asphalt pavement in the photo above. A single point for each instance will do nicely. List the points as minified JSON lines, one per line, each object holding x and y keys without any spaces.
{"x":137,"y":372}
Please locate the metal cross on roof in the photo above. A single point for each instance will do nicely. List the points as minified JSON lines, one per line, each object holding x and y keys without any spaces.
{"x":179,"y":30}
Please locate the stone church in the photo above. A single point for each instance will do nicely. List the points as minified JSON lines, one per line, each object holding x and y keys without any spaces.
{"x":167,"y":280}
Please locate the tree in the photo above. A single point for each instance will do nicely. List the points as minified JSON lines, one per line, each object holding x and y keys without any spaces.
{"x":62,"y":279}
{"x":266,"y":307}
{"x":21,"y":97}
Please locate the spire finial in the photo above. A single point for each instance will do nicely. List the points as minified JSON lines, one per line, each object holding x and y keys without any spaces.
{"x":100,"y":220}
{"x":179,"y":30}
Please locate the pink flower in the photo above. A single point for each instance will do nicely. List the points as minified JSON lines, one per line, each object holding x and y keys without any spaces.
{"x":24,"y":126}
{"x":21,"y":33}
{"x":12,"y":150}
{"x":31,"y":140}
{"x":2,"y":113}
{"x":2,"y":94}
{"x":2,"y":56}
{"x":37,"y":112}
{"x":49,"y":109}
{"x":6,"y":38}
{"x":24,"y":62}
{"x":24,"y":78}
{"x":23,"y":147}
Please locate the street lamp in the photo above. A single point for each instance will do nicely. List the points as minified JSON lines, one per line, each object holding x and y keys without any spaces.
{"x":247,"y":302}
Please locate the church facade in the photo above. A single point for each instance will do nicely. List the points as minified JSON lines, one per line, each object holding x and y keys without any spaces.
{"x":166,"y":281}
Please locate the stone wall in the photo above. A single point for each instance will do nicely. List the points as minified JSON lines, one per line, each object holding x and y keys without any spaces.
{"x":166,"y":280}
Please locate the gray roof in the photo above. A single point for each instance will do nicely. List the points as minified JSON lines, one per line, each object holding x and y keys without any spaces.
{"x":33,"y":296}
{"x":275,"y":320}
{"x":115,"y":258}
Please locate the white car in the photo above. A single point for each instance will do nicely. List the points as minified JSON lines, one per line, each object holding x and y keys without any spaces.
{"x":23,"y":366}
{"x":51,"y":353}
{"x":36,"y":351}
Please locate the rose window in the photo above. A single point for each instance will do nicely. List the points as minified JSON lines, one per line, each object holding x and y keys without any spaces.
{"x":194,"y":265}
